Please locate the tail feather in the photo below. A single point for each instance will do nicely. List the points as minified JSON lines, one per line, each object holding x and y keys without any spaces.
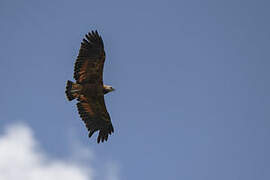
{"x":72,"y":91}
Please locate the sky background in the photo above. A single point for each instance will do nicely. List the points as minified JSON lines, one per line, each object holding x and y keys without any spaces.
{"x":192,"y":88}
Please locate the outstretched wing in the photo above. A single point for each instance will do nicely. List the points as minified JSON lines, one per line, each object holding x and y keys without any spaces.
{"x":89,"y":70}
{"x":95,"y":116}
{"x":90,"y":61}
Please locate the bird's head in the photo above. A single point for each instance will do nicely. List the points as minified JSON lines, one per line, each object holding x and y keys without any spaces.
{"x":107,"y":89}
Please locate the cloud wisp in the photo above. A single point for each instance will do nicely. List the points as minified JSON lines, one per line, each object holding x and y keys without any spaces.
{"x":22,"y":158}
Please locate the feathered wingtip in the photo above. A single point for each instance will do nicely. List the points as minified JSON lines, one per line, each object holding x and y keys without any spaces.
{"x":104,"y":133}
{"x":93,"y":37}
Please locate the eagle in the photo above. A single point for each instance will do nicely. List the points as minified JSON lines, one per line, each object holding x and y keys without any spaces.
{"x":89,"y":89}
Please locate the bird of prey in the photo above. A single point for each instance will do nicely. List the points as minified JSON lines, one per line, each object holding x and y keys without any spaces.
{"x":89,"y":89}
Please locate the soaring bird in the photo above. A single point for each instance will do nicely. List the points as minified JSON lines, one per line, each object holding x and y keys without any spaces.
{"x":89,"y":89}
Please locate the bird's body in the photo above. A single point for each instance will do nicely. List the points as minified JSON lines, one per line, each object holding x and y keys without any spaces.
{"x":89,"y":89}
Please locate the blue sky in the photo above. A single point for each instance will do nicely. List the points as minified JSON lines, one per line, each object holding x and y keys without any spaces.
{"x":192,"y":81}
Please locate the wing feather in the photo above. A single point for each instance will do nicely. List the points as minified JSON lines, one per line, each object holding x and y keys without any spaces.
{"x":90,"y":61}
{"x":95,"y":118}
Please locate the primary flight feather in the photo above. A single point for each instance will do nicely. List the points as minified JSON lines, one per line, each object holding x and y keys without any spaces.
{"x":89,"y":89}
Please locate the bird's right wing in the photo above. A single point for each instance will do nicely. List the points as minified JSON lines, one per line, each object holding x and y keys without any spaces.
{"x":95,"y":116}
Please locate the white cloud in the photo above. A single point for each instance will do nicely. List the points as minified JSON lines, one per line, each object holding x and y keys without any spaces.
{"x":22,"y":158}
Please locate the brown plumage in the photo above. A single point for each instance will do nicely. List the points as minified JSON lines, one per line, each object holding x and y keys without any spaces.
{"x":89,"y":89}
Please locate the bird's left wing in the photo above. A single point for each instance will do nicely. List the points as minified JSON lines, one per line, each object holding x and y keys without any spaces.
{"x":90,"y":61}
